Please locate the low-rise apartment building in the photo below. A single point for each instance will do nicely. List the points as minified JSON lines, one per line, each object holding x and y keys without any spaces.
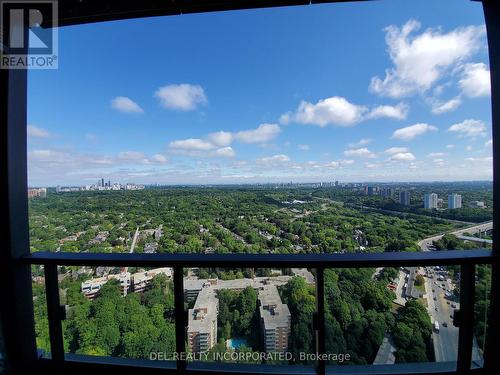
{"x":141,"y":280}
{"x":92,"y":286}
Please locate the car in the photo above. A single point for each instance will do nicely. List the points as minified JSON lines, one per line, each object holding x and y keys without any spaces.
{"x":447,"y":302}
{"x":433,"y":290}
{"x":445,"y":324}
{"x":436,"y":309}
{"x":451,"y":316}
{"x":435,"y":299}
{"x":453,"y":305}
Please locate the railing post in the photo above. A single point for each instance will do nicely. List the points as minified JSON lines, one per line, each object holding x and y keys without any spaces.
{"x":492,"y":19}
{"x":54,"y":313}
{"x":466,"y":329}
{"x":180,"y":325}
{"x":320,"y":319}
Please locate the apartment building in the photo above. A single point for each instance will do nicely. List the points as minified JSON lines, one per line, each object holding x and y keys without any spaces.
{"x":275,"y":319}
{"x":91,"y":287}
{"x":140,"y":281}
{"x":202,"y":321}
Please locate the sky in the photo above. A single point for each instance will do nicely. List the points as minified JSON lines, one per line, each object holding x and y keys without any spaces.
{"x":373,"y":91}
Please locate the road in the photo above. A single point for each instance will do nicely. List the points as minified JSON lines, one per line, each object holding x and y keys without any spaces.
{"x":441,"y":309}
{"x":426,"y":243}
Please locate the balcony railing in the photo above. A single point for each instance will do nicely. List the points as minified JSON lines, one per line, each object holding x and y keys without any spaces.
{"x":467,"y":259}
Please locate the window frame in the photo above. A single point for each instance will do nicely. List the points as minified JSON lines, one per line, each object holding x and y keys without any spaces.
{"x":16,"y":260}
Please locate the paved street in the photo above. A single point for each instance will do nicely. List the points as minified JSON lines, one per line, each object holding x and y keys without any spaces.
{"x":446,"y":341}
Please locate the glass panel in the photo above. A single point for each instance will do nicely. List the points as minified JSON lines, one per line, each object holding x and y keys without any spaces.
{"x":481,"y":313}
{"x":40,"y":310}
{"x":118,"y":312}
{"x":388,"y":316}
{"x":250,"y":315}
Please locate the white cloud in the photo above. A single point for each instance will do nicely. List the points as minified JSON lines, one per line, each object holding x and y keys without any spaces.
{"x":200,"y":148}
{"x":488,"y":143}
{"x":397,"y":112}
{"x":335,"y":110}
{"x":449,"y":147}
{"x":469,"y":128}
{"x":47,"y":155}
{"x":225,"y":152}
{"x":360,"y":153}
{"x":410,"y":132}
{"x":403,"y":156}
{"x":221,"y":138}
{"x":475,"y":80}
{"x":159,"y":158}
{"x":191,"y":144}
{"x":36,"y":132}
{"x":486,"y":159}
{"x":303,"y":147}
{"x":264,"y":133}
{"x":440,"y":107}
{"x":131,"y":155}
{"x":273,"y":160}
{"x":436,"y":154}
{"x":396,"y":150}
{"x":336,"y":164}
{"x":125,"y":105}
{"x":468,"y":148}
{"x":422,"y":60}
{"x":183,"y":97}
{"x":361,"y":142}
{"x":439,"y":162}
{"x":373,"y":165}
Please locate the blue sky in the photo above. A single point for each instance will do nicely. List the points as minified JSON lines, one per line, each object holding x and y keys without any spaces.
{"x":371,"y":91}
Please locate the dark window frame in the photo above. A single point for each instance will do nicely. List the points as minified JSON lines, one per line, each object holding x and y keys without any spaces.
{"x":16,"y":260}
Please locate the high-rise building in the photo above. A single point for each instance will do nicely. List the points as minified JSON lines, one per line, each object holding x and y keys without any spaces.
{"x":454,"y":201}
{"x":387,"y":192}
{"x":430,"y":201}
{"x":372,"y":190}
{"x":404,"y":197}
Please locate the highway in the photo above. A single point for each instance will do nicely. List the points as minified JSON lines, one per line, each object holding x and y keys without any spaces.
{"x":426,"y":243}
{"x":441,"y":307}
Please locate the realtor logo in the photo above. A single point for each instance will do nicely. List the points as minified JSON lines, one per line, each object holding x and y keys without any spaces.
{"x":28,"y":35}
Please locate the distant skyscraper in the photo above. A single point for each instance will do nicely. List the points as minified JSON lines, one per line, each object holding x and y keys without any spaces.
{"x":454,"y":201}
{"x":102,"y":182}
{"x":387,"y":192}
{"x":430,"y":201}
{"x":404,"y":197}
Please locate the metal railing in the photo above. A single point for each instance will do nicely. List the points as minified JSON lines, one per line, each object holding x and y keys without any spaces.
{"x":467,"y":259}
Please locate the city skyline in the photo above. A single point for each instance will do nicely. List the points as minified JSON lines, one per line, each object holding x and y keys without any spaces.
{"x":227,"y":110}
